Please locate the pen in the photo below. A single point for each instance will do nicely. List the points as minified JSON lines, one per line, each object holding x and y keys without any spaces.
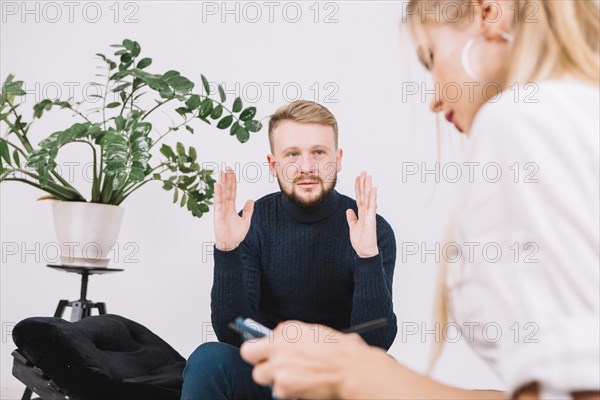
{"x":248,"y":332}
{"x":366,"y":326}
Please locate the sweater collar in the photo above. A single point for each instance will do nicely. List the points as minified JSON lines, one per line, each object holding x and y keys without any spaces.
{"x":314,"y":215}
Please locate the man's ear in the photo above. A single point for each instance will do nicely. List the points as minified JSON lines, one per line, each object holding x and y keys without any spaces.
{"x":338,"y":159}
{"x":272,"y":164}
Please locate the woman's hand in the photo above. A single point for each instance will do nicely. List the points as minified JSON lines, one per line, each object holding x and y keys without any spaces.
{"x":313,"y":361}
{"x":304,"y":360}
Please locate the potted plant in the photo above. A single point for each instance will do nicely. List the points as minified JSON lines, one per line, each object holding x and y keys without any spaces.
{"x":121,"y":136}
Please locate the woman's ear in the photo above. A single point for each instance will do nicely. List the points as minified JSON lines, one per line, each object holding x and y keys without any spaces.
{"x":490,"y":11}
{"x":496,"y":17}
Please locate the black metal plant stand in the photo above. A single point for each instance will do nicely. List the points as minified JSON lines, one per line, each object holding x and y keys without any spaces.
{"x":83,"y":307}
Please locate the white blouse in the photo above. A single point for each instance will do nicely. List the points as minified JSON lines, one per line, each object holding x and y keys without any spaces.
{"x":524,"y":282}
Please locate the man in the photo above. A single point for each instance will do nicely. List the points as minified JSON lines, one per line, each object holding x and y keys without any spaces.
{"x":306,"y":253}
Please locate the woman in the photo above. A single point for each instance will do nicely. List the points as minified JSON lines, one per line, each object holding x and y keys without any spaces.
{"x":542,"y":214}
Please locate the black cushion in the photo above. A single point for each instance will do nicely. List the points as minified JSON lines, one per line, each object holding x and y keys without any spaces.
{"x":102,"y":357}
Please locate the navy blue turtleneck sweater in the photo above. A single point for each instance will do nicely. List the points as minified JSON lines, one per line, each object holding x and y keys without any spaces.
{"x":299,"y":264}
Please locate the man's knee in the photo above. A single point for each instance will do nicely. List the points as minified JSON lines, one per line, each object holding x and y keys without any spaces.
{"x":212,"y":356}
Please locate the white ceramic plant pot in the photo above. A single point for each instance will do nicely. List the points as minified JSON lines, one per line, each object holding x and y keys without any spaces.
{"x":86,"y":232}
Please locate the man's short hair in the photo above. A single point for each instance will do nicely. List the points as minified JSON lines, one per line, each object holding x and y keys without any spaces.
{"x":303,"y":111}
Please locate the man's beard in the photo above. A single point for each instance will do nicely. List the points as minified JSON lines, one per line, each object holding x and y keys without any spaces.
{"x":299,"y":202}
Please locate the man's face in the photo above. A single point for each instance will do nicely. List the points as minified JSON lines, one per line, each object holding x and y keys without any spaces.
{"x":305,"y":161}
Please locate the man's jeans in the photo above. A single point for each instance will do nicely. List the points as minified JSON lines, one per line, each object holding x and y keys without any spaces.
{"x":216,"y":371}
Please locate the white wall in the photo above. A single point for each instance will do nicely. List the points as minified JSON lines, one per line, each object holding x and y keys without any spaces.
{"x":358,"y":61}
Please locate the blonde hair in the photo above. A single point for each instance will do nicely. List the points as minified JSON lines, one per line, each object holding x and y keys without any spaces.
{"x":306,"y":112}
{"x":552,"y":39}
{"x":563,"y":41}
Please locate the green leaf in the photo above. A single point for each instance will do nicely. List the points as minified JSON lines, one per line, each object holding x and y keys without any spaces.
{"x":140,"y":144}
{"x":116,"y":157}
{"x":182,"y":85}
{"x":170,"y":74}
{"x":122,"y":87}
{"x":144,"y":62}
{"x":248,"y":113}
{"x":217,"y":112}
{"x":62,"y":104}
{"x":156,"y":176}
{"x":234,"y":128}
{"x":237,"y":105}
{"x":126,"y":60}
{"x":193,"y":102}
{"x":113,"y":105}
{"x":135,"y":126}
{"x":16,"y":158}
{"x":190,"y":129}
{"x":167,"y":151}
{"x":167,"y":185}
{"x":182,"y":168}
{"x":193,"y":154}
{"x":128,"y":44}
{"x":135,"y":51}
{"x":39,"y":108}
{"x":175,"y":196}
{"x":182,"y":111}
{"x":137,"y":82}
{"x":205,"y":84}
{"x":222,"y":94}
{"x":119,"y":75}
{"x":183,"y":200}
{"x":242,"y":134}
{"x":253,"y":125}
{"x":119,"y":123}
{"x":178,"y":83}
{"x":180,"y":149}
{"x":43,"y":161}
{"x":225,"y":122}
{"x":46,"y":104}
{"x":145,"y":76}
{"x":206,"y":108}
{"x":11,"y":89}
{"x":166,"y":93}
{"x":4,"y":152}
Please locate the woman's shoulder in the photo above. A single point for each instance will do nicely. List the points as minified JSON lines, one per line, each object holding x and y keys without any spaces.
{"x":546,"y":111}
{"x":542,"y":94}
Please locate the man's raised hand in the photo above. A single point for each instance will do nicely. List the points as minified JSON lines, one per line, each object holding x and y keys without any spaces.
{"x":363,"y":229}
{"x":230,"y":228}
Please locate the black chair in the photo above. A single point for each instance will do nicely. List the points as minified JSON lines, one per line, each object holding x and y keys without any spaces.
{"x":97,"y":358}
